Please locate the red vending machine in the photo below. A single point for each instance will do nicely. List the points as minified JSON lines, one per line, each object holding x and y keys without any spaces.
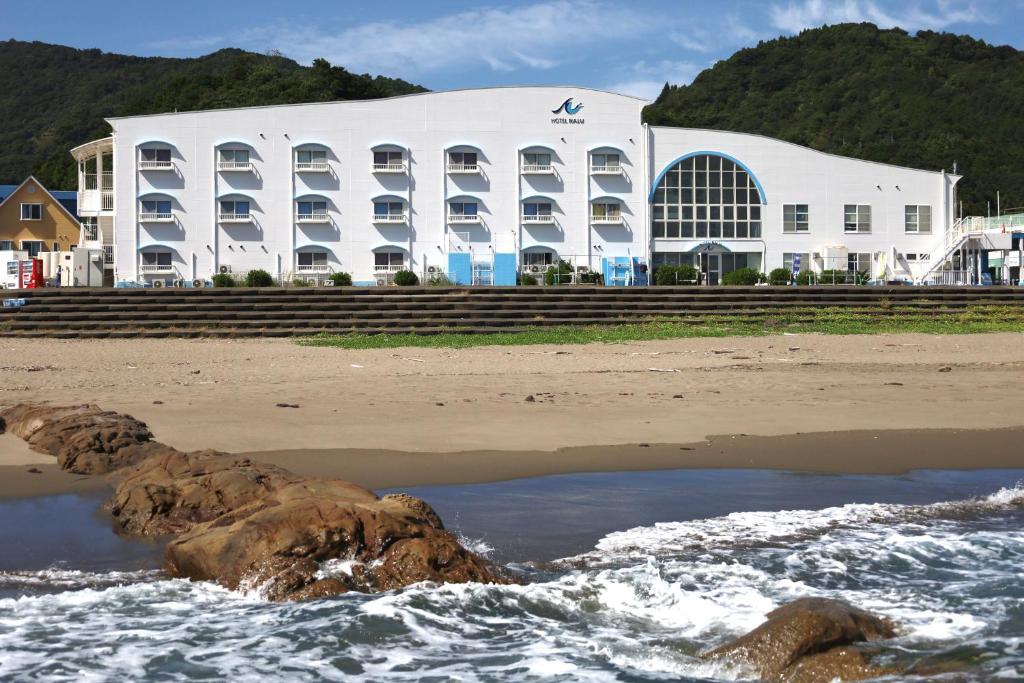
{"x":30,"y":275}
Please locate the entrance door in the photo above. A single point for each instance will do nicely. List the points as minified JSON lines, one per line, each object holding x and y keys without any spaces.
{"x":711,"y":266}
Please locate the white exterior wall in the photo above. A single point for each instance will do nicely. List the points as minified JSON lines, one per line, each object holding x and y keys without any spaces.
{"x":498,"y":122}
{"x":791,"y":174}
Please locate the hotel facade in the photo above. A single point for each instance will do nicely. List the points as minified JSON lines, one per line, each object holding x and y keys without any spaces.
{"x":483,"y":185}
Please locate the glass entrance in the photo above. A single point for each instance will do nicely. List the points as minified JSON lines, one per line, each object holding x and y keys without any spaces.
{"x":711,"y":267}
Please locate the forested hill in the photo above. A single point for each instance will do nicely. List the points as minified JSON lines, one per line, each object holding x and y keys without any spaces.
{"x":923,"y":101}
{"x":53,"y":98}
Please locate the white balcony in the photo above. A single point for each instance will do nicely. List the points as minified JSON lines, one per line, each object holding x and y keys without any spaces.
{"x":390,"y":218}
{"x":312,"y":167}
{"x":316,"y":268}
{"x":389,"y":168}
{"x":463,"y":168}
{"x":539,"y":220}
{"x":106,"y":200}
{"x":156,"y":166}
{"x":606,"y":170}
{"x":156,"y":217}
{"x":155,"y":269}
{"x":312,"y":218}
{"x":606,"y":220}
{"x":538,"y":169}
{"x":463,"y":218}
{"x":235,"y":218}
{"x":388,"y":269}
{"x":234,"y":165}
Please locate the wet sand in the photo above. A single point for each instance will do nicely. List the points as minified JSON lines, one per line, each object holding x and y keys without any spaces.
{"x":405,"y":417}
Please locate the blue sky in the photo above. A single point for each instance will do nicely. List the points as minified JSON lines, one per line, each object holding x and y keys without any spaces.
{"x":631,"y":47}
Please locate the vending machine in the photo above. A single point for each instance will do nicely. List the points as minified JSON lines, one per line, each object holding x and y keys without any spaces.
{"x":30,"y":274}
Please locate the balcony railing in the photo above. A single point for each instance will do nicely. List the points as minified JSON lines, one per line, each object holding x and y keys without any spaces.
{"x":151,"y":217}
{"x":106,"y":200}
{"x":108,"y":254}
{"x":538,"y":169}
{"x":463,"y":168}
{"x":235,"y":218}
{"x":463,"y":218}
{"x":312,"y":167}
{"x":155,"y":165}
{"x":234,"y":165}
{"x":91,"y":181}
{"x":315,"y":268}
{"x":390,"y":218}
{"x":546,"y":219}
{"x":312,"y":218}
{"x":607,"y":169}
{"x":151,"y":269}
{"x":398,"y":167}
{"x":606,"y":220}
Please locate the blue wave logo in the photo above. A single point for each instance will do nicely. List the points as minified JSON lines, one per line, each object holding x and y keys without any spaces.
{"x":568,"y":107}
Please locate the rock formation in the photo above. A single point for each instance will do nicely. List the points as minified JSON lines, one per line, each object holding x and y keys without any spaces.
{"x":247,"y":524}
{"x":811,"y":640}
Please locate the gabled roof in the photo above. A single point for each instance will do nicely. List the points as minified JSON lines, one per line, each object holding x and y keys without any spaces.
{"x":66,"y":199}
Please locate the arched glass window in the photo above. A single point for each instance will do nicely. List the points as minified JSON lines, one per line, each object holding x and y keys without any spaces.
{"x":706,"y":197}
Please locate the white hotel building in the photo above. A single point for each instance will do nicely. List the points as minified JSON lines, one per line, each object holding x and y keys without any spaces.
{"x":482,"y":184}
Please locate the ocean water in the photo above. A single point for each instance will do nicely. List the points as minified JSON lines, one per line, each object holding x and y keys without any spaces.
{"x":628,"y":577}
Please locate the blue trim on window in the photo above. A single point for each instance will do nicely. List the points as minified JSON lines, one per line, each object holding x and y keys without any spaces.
{"x":757,"y":183}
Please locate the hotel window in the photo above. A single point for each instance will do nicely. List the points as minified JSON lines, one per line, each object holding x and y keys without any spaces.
{"x":858,"y":262}
{"x":537,"y":209}
{"x":706,"y":197}
{"x":311,"y":259}
{"x":160,"y":259}
{"x":6,"y":245}
{"x":234,"y":158}
{"x":90,"y":227}
{"x":603,"y":162}
{"x":537,"y":159}
{"x":155,"y":155}
{"x":31,"y":212}
{"x":311,"y":158}
{"x":388,"y":208}
{"x":857,"y":218}
{"x":156,"y":208}
{"x":234,"y":209}
{"x":311,"y":209}
{"x":805,"y":261}
{"x":462,"y":208}
{"x":538,"y":258}
{"x":795,"y":218}
{"x":462,"y":159}
{"x":918,"y":219}
{"x":390,"y":260}
{"x":609,"y":211}
{"x":387,"y":159}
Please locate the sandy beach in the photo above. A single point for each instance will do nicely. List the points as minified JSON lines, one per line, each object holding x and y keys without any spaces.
{"x":399,"y":417}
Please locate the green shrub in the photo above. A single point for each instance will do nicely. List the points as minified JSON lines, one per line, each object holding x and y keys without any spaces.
{"x":560,"y":274}
{"x":439,"y":280}
{"x":675,"y":275}
{"x":259,"y":278}
{"x":223,"y":280}
{"x":590,"y":278}
{"x":780,"y":276}
{"x":406,"y":278}
{"x":804,"y":277}
{"x":835,"y":276}
{"x":743,"y":276}
{"x":341,"y":279}
{"x":526,"y":279}
{"x":300,"y":282}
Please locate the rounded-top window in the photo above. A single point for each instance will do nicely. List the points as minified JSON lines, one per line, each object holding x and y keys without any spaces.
{"x":706,"y":197}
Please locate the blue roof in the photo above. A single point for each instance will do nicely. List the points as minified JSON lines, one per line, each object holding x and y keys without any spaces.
{"x":68,"y":198}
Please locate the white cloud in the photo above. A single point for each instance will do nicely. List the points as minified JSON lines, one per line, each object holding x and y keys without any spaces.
{"x":539,"y":36}
{"x":796,"y":16}
{"x":649,"y":78}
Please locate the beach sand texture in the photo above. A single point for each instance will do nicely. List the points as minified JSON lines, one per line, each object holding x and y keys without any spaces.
{"x":481,"y":405}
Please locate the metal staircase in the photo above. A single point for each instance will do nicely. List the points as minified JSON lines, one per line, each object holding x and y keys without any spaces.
{"x":961,"y":232}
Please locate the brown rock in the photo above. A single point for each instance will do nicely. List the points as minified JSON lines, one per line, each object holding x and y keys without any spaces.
{"x":808,"y":639}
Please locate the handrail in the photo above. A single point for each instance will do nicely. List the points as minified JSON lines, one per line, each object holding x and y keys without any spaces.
{"x":311,"y":218}
{"x":538,"y":168}
{"x":389,"y":218}
{"x":318,"y":166}
{"x":389,"y":168}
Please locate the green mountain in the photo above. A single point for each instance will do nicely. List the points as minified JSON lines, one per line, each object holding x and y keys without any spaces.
{"x":925,"y":101}
{"x":53,"y":98}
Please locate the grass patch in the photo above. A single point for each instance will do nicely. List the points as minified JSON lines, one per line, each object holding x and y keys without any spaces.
{"x":976,"y":320}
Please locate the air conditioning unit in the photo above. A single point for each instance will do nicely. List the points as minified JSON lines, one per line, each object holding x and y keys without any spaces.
{"x":328,"y":283}
{"x":158,"y":283}
{"x":381,"y":283}
{"x":224,"y":270}
{"x":179,"y":283}
{"x":197,"y":283}
{"x":432,"y":269}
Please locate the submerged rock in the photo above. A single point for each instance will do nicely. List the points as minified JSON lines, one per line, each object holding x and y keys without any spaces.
{"x":247,"y":524}
{"x":811,"y":640}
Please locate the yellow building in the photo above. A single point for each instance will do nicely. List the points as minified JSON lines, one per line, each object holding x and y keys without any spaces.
{"x":33,"y":220}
